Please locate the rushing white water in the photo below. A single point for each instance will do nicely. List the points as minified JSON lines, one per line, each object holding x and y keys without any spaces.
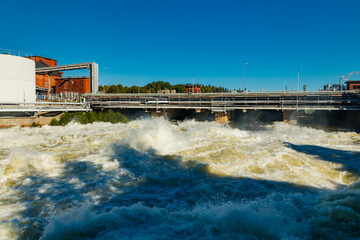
{"x":152,"y":179}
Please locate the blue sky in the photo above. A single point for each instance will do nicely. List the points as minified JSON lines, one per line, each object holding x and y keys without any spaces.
{"x":140,"y":41}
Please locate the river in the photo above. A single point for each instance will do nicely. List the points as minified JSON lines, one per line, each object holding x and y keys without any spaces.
{"x":154,"y":179}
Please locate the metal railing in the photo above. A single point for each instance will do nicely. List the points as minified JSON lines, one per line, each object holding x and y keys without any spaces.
{"x":247,"y":93}
{"x":60,"y":97}
{"x":14,"y":52}
{"x":43,"y":107}
{"x":21,"y":53}
{"x":344,"y":100}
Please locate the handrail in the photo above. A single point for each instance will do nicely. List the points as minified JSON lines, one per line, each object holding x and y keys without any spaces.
{"x":14,"y":52}
{"x":258,"y":94}
{"x":41,"y":103}
{"x":20,"y":53}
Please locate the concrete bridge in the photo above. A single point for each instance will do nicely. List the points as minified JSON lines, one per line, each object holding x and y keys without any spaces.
{"x":288,"y":103}
{"x":27,"y":113}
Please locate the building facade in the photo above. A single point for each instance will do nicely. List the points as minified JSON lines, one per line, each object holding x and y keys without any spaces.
{"x":353,"y":85}
{"x":192,"y":88}
{"x":17,"y":79}
{"x":79,"y":85}
{"x":54,"y":82}
{"x":45,"y":82}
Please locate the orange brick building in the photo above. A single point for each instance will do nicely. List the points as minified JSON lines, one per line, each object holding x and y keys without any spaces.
{"x":54,"y":82}
{"x":189,"y":88}
{"x":46,"y":82}
{"x":353,"y":85}
{"x":70,"y":84}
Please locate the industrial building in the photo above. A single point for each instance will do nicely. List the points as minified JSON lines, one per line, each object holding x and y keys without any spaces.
{"x":79,"y":85}
{"x":353,"y":85}
{"x":26,"y":78}
{"x":192,"y":88}
{"x":23,"y":75}
{"x":167,"y":91}
{"x":332,"y":87}
{"x":45,"y":83}
{"x":53,"y":82}
{"x":17,"y":79}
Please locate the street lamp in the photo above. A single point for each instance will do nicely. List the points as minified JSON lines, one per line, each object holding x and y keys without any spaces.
{"x":298,"y":78}
{"x":193,"y":86}
{"x":244,"y":76}
{"x":103,"y":78}
{"x":104,"y":75}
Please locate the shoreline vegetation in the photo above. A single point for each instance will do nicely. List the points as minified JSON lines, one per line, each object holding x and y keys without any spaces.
{"x":154,"y":87}
{"x":89,"y":117}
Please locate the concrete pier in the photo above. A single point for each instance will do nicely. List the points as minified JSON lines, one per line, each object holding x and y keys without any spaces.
{"x":157,"y":114}
{"x":221,"y":117}
{"x":290,"y":117}
{"x":40,"y":119}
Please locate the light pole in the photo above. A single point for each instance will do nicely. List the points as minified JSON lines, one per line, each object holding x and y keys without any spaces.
{"x":340,"y":82}
{"x":298,"y":79}
{"x":244,"y":76}
{"x":104,"y":79}
{"x":193,"y":87}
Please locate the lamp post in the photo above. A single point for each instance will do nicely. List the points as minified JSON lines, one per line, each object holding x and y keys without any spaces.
{"x":298,"y":77}
{"x":104,"y":75}
{"x":103,"y":78}
{"x":244,"y":76}
{"x":193,"y":87}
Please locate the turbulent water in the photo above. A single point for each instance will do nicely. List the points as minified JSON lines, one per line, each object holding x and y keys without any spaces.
{"x":152,"y":179}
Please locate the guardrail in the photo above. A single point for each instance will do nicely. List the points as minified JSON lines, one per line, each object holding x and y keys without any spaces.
{"x":340,"y":100}
{"x":43,"y":107}
{"x":246,"y":93}
{"x":14,"y":52}
{"x":20,"y":53}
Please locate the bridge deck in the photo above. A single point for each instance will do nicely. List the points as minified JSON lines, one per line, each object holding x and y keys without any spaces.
{"x":344,"y":100}
{"x":44,"y":107}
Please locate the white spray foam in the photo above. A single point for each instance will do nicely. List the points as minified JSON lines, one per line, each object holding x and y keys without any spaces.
{"x":229,"y":152}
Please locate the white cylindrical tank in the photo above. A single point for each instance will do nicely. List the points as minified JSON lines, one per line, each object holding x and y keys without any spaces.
{"x":17,"y":79}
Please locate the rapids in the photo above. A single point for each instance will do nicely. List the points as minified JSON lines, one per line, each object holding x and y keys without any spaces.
{"x":153,"y":179}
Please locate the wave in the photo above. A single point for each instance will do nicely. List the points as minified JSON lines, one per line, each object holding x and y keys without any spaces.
{"x":191,"y":180}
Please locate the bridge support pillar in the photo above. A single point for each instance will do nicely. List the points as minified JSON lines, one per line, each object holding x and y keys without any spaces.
{"x":353,"y":119}
{"x":221,"y":117}
{"x":157,"y":114}
{"x":290,"y":117}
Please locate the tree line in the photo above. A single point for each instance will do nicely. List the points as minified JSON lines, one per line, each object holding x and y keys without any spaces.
{"x":154,"y":87}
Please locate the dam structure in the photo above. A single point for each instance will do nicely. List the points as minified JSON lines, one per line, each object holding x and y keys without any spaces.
{"x":319,"y":100}
{"x":34,"y":86}
{"x":222,"y":105}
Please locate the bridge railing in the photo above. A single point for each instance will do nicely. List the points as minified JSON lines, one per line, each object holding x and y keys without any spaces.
{"x":14,"y":52}
{"x":253,"y":100}
{"x":246,"y":93}
{"x":43,"y":106}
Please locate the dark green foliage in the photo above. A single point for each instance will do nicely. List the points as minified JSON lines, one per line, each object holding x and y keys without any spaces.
{"x":90,"y":117}
{"x":154,"y":87}
{"x":54,"y":122}
{"x":35,"y":124}
{"x":180,"y":88}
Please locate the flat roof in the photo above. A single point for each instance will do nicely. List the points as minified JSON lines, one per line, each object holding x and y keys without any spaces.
{"x":352,"y":81}
{"x":41,"y":57}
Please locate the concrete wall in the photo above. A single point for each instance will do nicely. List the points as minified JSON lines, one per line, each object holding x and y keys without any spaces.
{"x":17,"y":79}
{"x":41,"y":119}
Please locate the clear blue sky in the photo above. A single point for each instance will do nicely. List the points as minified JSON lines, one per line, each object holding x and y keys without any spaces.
{"x":141,"y":40}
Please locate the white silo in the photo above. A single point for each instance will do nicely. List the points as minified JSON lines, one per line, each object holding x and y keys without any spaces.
{"x":17,"y":79}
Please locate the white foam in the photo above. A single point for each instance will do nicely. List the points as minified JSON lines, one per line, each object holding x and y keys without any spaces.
{"x":31,"y":156}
